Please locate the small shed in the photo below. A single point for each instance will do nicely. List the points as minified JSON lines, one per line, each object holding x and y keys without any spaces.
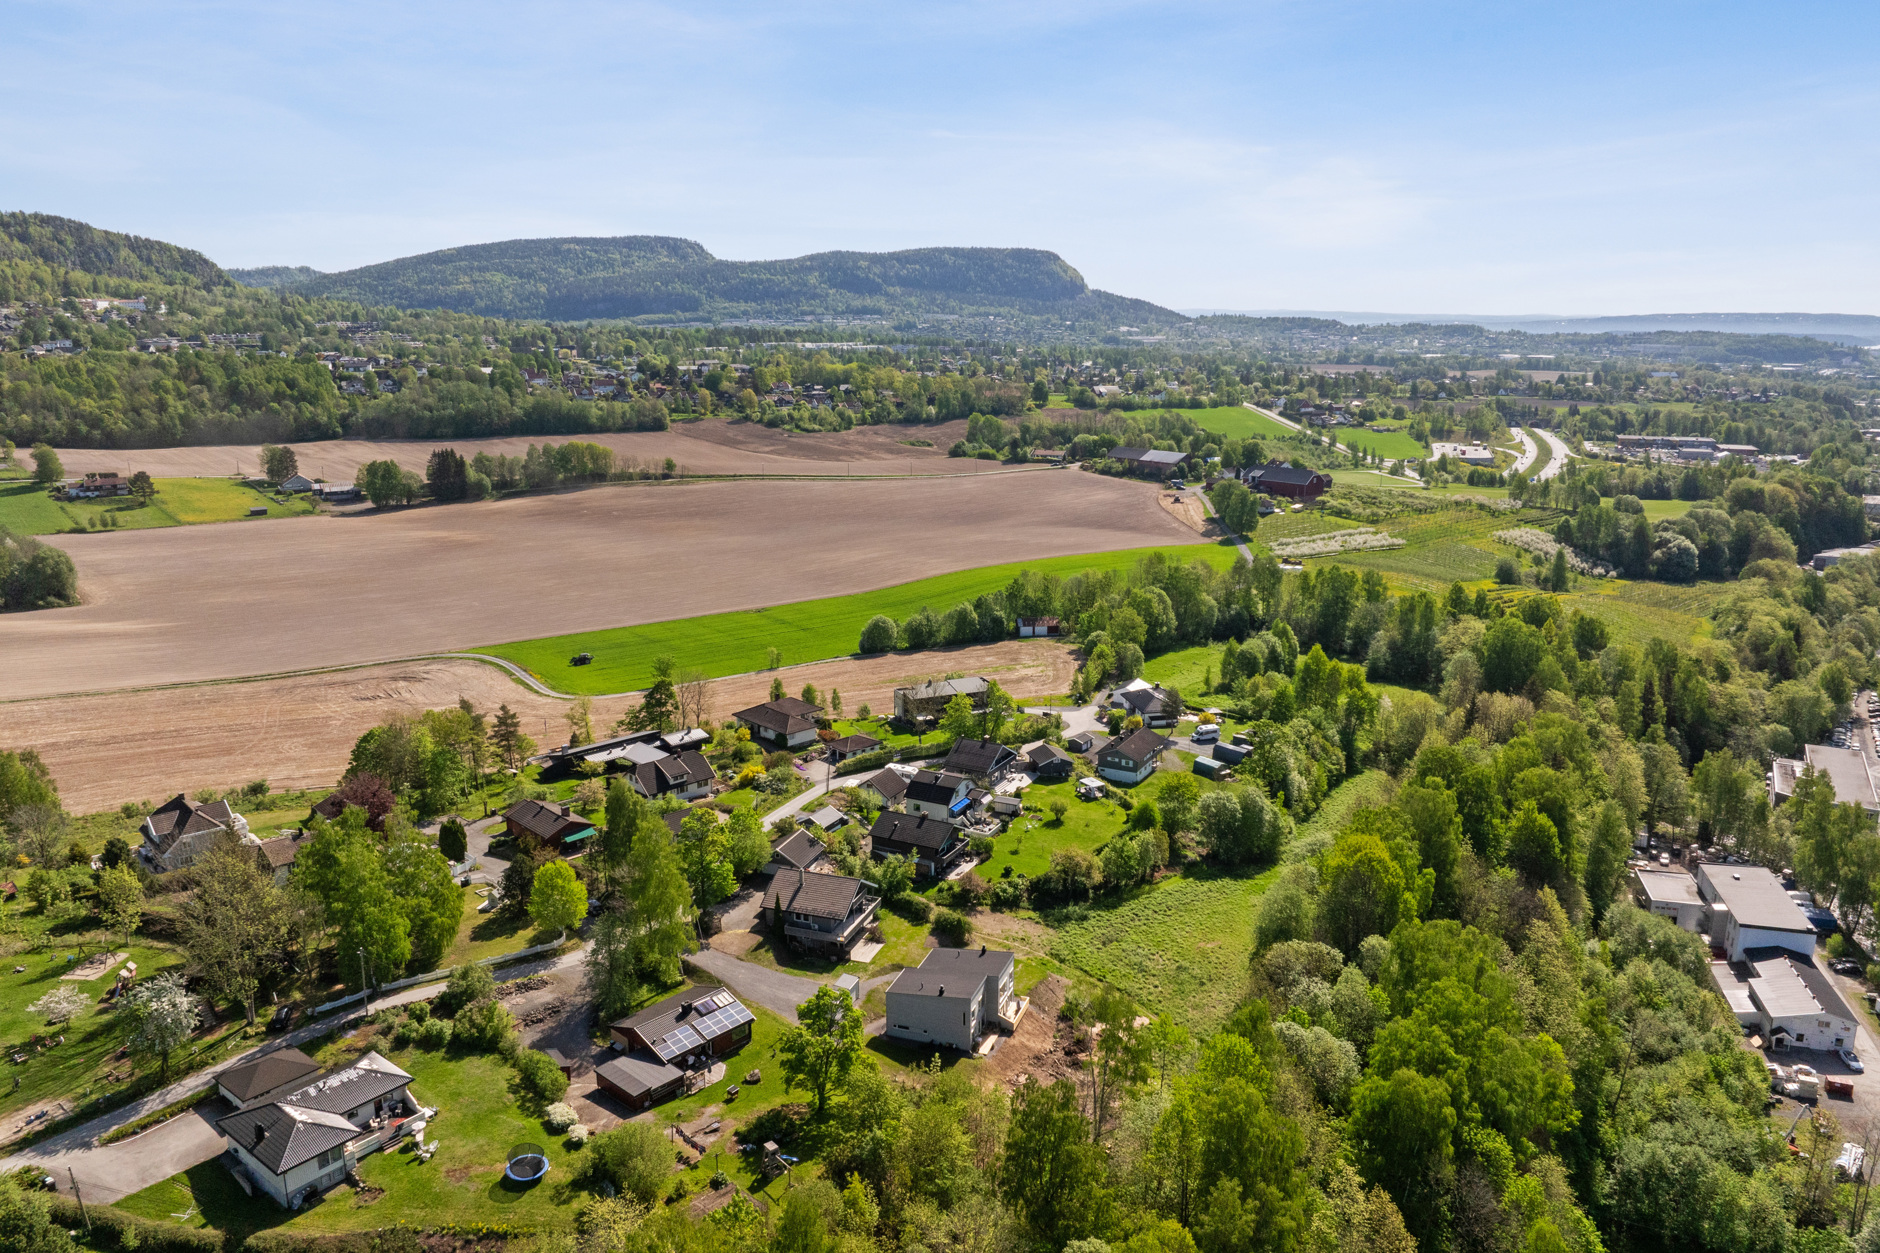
{"x":852,"y":985}
{"x":1231,"y":754}
{"x":1005,"y":806}
{"x":1208,"y":768}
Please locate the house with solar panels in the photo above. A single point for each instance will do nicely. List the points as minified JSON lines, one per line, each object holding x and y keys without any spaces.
{"x":664,"y":1043}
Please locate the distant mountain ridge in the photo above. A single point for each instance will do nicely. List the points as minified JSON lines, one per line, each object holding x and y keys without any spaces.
{"x":575,"y":278}
{"x":65,"y":243}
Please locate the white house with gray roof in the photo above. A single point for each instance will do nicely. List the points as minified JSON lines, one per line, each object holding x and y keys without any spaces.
{"x":303,"y":1143}
{"x":953,"y":998}
{"x":1749,"y":908}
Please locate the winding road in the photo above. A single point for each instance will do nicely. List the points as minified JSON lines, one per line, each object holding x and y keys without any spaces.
{"x":1559,"y":450}
{"x":1529,"y":450}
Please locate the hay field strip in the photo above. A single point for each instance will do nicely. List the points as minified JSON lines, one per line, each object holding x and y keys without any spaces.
{"x":25,"y":509}
{"x":811,"y":630}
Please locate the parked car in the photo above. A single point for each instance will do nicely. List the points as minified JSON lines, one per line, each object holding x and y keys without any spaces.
{"x":1845,"y":966}
{"x":283,"y":1018}
{"x":1851,"y":1060}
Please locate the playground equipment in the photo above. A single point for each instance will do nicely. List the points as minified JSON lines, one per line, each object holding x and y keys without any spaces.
{"x":527,"y":1163}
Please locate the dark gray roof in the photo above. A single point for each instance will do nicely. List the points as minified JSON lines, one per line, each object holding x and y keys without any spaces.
{"x":786,"y":717}
{"x":638,"y":1073}
{"x":961,"y":969}
{"x":798,"y":849}
{"x":1818,"y":984}
{"x":181,"y":816}
{"x":935,"y":788}
{"x":546,"y":820}
{"x":1142,"y":744}
{"x":890,"y":783}
{"x":978,"y":756}
{"x":312,"y":1119}
{"x":266,"y":1073}
{"x":672,"y":771}
{"x":1148,"y":456}
{"x":854,"y":744}
{"x":1045,"y":754}
{"x":1292,"y":476}
{"x":917,"y":830}
{"x":820,"y":895}
{"x":944,"y":689}
{"x":696,"y":1008}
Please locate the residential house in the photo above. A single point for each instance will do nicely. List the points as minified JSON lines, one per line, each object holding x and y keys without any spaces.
{"x":934,"y":845}
{"x":266,"y":1078}
{"x":938,"y":794}
{"x":1149,"y":462}
{"x":304,"y":1142}
{"x":280,"y":853}
{"x":686,"y":775}
{"x":296,"y":483}
{"x":1143,"y":699}
{"x":852,"y":746}
{"x":798,"y":850}
{"x":547,"y":824}
{"x":1039,"y":628}
{"x":953,"y":998}
{"x":1747,"y":907}
{"x":1048,"y":761}
{"x":825,"y":820}
{"x":823,"y":913}
{"x":891,"y":781}
{"x":927,"y":701}
{"x":1278,"y":479}
{"x":661,"y":1042}
{"x":789,"y":722}
{"x":329,"y":807}
{"x":1670,"y":894}
{"x":1131,"y":757}
{"x":99,"y":483}
{"x":980,"y":760}
{"x":180,"y":830}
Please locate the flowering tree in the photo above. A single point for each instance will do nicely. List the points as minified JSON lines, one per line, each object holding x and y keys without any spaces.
{"x":60,"y":1005}
{"x":161,"y":1013}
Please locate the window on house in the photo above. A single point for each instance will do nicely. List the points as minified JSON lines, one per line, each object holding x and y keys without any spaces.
{"x":329,"y":1157}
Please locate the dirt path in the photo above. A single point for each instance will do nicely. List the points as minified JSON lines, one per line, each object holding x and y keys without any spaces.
{"x":710,"y":446}
{"x":208,"y":602}
{"x":298,"y":732}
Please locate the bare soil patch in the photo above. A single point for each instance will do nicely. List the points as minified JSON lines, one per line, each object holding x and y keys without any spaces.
{"x":298,"y":732}
{"x":1186,"y":508}
{"x":92,"y":967}
{"x":1038,"y":1048}
{"x":708,"y":446}
{"x":206,"y":602}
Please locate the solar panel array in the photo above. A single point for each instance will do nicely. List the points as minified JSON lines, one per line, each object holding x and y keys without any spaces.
{"x":720,"y":1021}
{"x":677,"y":1043}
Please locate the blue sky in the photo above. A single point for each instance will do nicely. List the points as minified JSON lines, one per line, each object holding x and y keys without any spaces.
{"x":1506,"y":158}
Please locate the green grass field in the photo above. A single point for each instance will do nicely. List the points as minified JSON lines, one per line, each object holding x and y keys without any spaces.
{"x":804,"y":631}
{"x":25,"y":509}
{"x":1655,"y":509}
{"x":1392,"y":444}
{"x":1179,"y":947}
{"x":1239,"y":422}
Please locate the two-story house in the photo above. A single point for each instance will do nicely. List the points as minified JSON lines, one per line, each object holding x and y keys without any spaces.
{"x":938,"y":794}
{"x":953,"y":998}
{"x":303,"y":1143}
{"x":982,"y":761}
{"x":934,"y":845}
{"x":180,"y":830}
{"x":1131,"y":757}
{"x":824,"y":913}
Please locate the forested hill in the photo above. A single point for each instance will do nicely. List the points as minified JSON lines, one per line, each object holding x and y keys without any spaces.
{"x":572,"y":279}
{"x":40,"y":240}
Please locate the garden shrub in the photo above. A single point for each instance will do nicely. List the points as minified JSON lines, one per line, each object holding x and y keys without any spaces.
{"x":559,"y":1117}
{"x":468,"y":984}
{"x":578,"y":1134}
{"x":1007,"y":894}
{"x":634,"y":1157}
{"x":483,"y":1028}
{"x":541,"y":1077}
{"x":952,"y":927}
{"x":916,"y":909}
{"x":866,"y":762}
{"x":980,"y":846}
{"x":434,"y":1035}
{"x":419,"y":1012}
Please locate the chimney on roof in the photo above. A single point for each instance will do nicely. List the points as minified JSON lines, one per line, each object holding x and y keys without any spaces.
{"x":261,"y":1133}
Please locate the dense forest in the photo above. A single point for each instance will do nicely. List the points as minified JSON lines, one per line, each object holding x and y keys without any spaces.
{"x":637,"y":275}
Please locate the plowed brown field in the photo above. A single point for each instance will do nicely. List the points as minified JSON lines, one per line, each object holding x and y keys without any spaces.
{"x":297,"y":732}
{"x":710,"y":446}
{"x":208,"y":602}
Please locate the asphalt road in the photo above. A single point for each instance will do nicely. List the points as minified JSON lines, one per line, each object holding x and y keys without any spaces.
{"x":1559,"y":453}
{"x":1529,"y":450}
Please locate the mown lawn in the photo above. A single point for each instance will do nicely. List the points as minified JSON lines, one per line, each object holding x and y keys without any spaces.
{"x":491,"y":934}
{"x":25,"y":509}
{"x":1394,"y":445}
{"x":809,"y":630}
{"x":1238,"y":422}
{"x":1027,"y":846}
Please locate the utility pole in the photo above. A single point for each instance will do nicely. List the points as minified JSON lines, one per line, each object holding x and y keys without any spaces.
{"x":82,"y":1212}
{"x":365,"y":982}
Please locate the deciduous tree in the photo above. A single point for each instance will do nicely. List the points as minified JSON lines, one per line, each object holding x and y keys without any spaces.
{"x":821,"y":1049}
